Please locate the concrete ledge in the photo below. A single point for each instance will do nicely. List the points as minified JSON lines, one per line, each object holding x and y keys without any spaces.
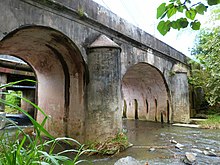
{"x":187,"y":125}
{"x":193,"y":121}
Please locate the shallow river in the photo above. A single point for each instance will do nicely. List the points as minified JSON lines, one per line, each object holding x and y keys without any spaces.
{"x":144,"y":135}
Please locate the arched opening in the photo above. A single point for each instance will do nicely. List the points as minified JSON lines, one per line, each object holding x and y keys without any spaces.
{"x":155,"y":101}
{"x":147,"y":106}
{"x":146,"y":84}
{"x":60,"y":70}
{"x":124,"y":115}
{"x":168,"y":112}
{"x":15,"y":70}
{"x":135,"y":109}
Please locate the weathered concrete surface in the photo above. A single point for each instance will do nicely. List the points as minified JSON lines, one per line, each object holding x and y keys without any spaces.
{"x":180,"y":97}
{"x":104,"y":92}
{"x":53,"y":37}
{"x":60,"y":77}
{"x":180,"y":94}
{"x":146,"y":85}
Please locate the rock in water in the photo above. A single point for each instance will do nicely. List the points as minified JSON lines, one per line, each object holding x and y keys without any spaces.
{"x":209,"y":153}
{"x":196,"y":150}
{"x":190,"y":158}
{"x":179,"y":146}
{"x":173,"y":141}
{"x":127,"y":161}
{"x":152,"y":149}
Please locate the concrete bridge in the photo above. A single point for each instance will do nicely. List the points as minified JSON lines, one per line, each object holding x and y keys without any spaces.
{"x":92,"y":67}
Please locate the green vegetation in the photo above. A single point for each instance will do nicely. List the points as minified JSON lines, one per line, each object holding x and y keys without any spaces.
{"x":213,"y":122}
{"x":206,"y":70}
{"x":81,"y":11}
{"x":110,"y":146}
{"x":207,"y":74}
{"x":186,"y":11}
{"x":213,"y":118}
{"x":12,"y":98}
{"x":25,"y":149}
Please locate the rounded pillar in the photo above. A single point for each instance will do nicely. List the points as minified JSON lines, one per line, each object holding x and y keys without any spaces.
{"x":104,"y":92}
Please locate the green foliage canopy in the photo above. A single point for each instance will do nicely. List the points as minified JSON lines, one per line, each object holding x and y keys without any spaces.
{"x":188,"y":10}
{"x":207,"y":75}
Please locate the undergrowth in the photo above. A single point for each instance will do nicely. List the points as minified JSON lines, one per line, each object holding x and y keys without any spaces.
{"x":23,"y":148}
{"x":212,"y":122}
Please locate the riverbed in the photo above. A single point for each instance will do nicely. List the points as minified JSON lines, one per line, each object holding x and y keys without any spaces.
{"x":152,"y":144}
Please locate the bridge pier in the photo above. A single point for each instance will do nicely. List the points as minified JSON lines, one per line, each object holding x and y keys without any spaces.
{"x":180,"y":95}
{"x":104,"y":93}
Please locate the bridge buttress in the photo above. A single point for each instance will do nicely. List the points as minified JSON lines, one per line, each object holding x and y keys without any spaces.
{"x":180,"y":95}
{"x":104,"y":92}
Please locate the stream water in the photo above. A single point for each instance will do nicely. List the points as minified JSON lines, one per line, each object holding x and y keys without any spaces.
{"x":144,"y":135}
{"x":156,"y":136}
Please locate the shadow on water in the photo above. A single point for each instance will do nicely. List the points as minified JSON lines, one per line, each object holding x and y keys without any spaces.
{"x":147,"y":135}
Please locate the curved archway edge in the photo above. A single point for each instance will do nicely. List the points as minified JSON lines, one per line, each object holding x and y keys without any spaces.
{"x":146,"y":84}
{"x":60,"y":70}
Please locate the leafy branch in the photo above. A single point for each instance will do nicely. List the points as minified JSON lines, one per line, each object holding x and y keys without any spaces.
{"x":166,"y":11}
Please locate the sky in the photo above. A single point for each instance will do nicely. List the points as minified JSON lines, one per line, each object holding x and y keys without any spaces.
{"x":142,"y":13}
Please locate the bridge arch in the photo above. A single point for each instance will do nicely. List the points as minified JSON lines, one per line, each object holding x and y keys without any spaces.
{"x":13,"y":69}
{"x":61,"y":75}
{"x":146,"y":85}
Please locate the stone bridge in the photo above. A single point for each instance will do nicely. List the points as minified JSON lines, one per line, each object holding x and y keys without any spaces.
{"x":93,"y":68}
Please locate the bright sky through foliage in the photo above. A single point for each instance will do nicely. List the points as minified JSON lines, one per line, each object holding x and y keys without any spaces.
{"x":142,"y":13}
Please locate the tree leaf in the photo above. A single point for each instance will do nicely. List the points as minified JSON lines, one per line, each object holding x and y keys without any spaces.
{"x":161,"y":9}
{"x":160,"y":27}
{"x":176,"y":24}
{"x":195,"y":25}
{"x":163,"y":27}
{"x":201,"y":8}
{"x":171,"y":11}
{"x":191,"y":14}
{"x":183,"y":22}
{"x":213,"y":2}
{"x":178,"y":2}
{"x":181,"y":8}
